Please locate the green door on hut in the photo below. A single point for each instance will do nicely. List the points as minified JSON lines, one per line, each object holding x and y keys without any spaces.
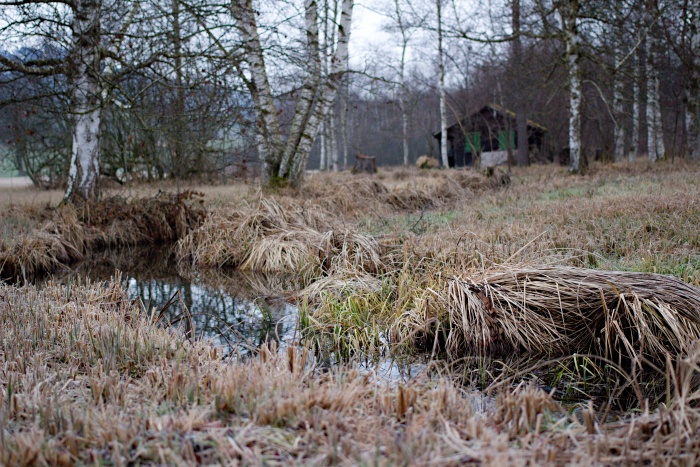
{"x":506,"y":140}
{"x":472,"y":146}
{"x":473,"y":142}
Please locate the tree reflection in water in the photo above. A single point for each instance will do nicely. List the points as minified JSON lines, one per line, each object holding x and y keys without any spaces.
{"x":225,"y":309}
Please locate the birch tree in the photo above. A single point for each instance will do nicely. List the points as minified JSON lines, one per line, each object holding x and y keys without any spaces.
{"x":441,"y":87}
{"x":636,"y":105}
{"x":618,"y":37}
{"x":284,"y":157}
{"x":82,"y":67}
{"x":77,"y":28}
{"x":655,"y":133}
{"x":692,"y":89}
{"x":569,"y":11}
{"x":520,"y":114}
{"x":403,"y":31}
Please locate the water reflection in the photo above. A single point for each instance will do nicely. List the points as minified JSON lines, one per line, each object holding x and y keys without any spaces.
{"x":237,"y":312}
{"x":231,"y":322}
{"x":225,"y":309}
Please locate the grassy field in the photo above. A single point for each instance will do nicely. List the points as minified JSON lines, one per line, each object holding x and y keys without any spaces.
{"x":561,"y":315}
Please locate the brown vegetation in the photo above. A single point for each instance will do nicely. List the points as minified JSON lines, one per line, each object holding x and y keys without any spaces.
{"x":590,"y":281}
{"x":88,"y":377}
{"x":66,"y":234}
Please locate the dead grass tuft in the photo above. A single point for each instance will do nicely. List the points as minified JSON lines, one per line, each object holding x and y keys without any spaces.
{"x":271,"y":238}
{"x":524,"y":410}
{"x":68,"y":233}
{"x":630,"y":318}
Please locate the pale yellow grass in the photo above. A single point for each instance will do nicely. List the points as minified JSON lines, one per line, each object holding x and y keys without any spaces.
{"x":86,"y":377}
{"x":31,"y":196}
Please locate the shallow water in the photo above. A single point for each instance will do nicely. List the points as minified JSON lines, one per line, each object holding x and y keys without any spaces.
{"x":237,"y":312}
{"x":222,"y":308}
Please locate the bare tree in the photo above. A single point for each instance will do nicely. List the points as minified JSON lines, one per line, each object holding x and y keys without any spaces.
{"x":284,"y":158}
{"x":569,"y":11}
{"x":618,"y":38}
{"x":441,"y":88}
{"x":520,"y":112}
{"x":655,"y":133}
{"x":91,"y":41}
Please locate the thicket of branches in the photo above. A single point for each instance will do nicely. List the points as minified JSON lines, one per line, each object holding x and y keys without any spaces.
{"x":179,"y":88}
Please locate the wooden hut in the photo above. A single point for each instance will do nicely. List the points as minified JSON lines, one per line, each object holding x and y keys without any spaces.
{"x":490,"y":133}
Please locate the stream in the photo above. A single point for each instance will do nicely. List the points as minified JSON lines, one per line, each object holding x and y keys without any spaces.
{"x":236,"y":312}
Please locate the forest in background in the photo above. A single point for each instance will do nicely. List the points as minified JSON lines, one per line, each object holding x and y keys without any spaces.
{"x":160,"y":89}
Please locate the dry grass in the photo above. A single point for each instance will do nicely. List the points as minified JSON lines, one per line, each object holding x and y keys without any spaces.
{"x":444,"y":262}
{"x":87,"y":377}
{"x":270,"y":237}
{"x":66,"y":234}
{"x":621,"y":316}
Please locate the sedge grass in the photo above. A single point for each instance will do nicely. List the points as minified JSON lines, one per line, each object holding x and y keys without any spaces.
{"x":89,"y":377}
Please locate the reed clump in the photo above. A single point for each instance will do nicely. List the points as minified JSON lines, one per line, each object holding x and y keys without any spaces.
{"x":68,"y":233}
{"x":631,"y":318}
{"x":272,"y":237}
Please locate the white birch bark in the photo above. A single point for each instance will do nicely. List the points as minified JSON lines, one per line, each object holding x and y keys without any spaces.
{"x":322,"y":147}
{"x":636,"y":96}
{"x":330,"y":125}
{"x":655,"y":135}
{"x":619,"y":152}
{"x":266,"y":111}
{"x":693,"y":87}
{"x":332,"y":140}
{"x":309,"y":89}
{"x":618,"y":110}
{"x":520,"y":107}
{"x":441,"y":89}
{"x":83,"y":173}
{"x":570,"y":22}
{"x":344,"y":122}
{"x":402,"y":82}
{"x":287,"y":160}
{"x":326,"y":95}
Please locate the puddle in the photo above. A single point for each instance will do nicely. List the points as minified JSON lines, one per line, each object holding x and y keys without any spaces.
{"x":237,"y":312}
{"x":223,"y":308}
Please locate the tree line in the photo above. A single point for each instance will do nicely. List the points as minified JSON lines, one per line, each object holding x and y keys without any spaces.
{"x":124,"y":89}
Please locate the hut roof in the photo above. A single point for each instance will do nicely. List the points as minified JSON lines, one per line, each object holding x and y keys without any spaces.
{"x":496,"y":108}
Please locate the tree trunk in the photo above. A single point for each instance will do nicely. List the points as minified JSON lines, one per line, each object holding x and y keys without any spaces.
{"x":322,"y":147}
{"x":179,"y":165}
{"x":285,"y":161}
{"x":344,"y":121}
{"x":636,"y":96}
{"x":83,"y":173}
{"x":333,"y":140}
{"x":693,"y":87}
{"x":655,"y":134}
{"x":441,"y":89}
{"x":520,"y":113}
{"x":402,"y":83}
{"x":326,"y":97}
{"x":618,"y":110}
{"x":268,"y":127}
{"x":573,"y":56}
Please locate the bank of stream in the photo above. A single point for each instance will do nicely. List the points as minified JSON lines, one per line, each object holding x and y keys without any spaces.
{"x":237,"y":312}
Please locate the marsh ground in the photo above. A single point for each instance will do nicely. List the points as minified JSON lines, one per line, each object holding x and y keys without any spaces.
{"x":406,"y":262}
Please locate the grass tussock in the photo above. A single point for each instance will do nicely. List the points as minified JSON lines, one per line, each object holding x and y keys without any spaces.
{"x":270,"y":237}
{"x":624,"y":317}
{"x":88,"y":377}
{"x":68,"y":233}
